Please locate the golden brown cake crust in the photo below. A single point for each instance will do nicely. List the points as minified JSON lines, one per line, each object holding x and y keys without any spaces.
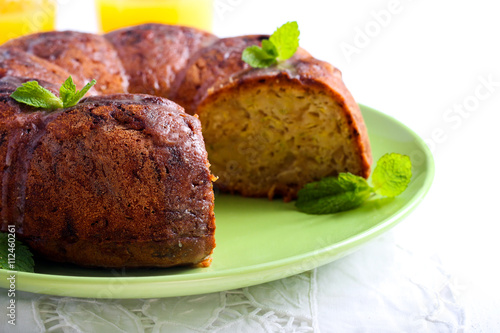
{"x":85,"y":56}
{"x":153,"y":54}
{"x":116,"y":181}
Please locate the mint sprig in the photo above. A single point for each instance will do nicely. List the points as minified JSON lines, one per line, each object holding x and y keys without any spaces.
{"x":347,"y":191}
{"x":281,"y":46}
{"x":31,"y":93}
{"x":21,"y":258}
{"x":333,"y":194}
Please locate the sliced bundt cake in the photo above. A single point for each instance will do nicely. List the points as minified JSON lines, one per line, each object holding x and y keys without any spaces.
{"x":123,"y":180}
{"x":270,"y":131}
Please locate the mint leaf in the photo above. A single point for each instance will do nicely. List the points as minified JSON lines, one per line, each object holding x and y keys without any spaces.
{"x":21,"y":258}
{"x":78,"y":94}
{"x":257,"y":57}
{"x":269,"y":48}
{"x":67,"y":90}
{"x":33,"y":94}
{"x":286,"y":40}
{"x":332,"y":195}
{"x":392,"y":175}
{"x":281,"y":46}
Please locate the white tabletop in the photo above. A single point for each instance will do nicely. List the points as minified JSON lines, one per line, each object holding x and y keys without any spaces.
{"x":433,"y":65}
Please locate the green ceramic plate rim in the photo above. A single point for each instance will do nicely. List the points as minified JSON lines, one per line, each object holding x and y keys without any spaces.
{"x":199,"y":283}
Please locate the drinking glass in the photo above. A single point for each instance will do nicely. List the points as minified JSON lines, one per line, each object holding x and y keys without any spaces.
{"x":22,"y":17}
{"x":115,"y":14}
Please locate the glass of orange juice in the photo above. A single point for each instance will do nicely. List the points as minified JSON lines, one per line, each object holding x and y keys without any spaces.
{"x":115,"y":14}
{"x":22,"y":17}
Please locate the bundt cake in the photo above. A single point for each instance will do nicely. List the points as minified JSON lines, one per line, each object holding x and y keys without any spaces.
{"x":122,"y":180}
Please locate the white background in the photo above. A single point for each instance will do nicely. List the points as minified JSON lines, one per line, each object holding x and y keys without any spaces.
{"x":419,"y":64}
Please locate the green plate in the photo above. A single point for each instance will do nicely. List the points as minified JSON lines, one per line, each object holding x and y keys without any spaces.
{"x":257,"y":240}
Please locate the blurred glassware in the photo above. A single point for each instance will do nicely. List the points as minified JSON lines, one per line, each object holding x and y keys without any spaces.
{"x":115,"y":14}
{"x":22,"y":17}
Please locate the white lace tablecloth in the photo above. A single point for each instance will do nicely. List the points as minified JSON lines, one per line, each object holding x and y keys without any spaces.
{"x":381,"y":288}
{"x":433,"y":65}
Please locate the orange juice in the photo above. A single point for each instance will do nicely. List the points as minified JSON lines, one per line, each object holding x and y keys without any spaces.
{"x":22,"y":17}
{"x":114,"y":14}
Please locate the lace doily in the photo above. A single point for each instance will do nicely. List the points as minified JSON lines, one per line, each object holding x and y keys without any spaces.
{"x":280,"y":306}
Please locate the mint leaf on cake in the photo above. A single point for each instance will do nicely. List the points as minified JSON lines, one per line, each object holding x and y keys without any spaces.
{"x":31,"y":93}
{"x":281,"y":46}
{"x":69,"y":95}
{"x":258,"y":57}
{"x":286,"y":40}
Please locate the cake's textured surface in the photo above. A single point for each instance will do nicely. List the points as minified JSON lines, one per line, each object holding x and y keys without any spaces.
{"x":154,"y":54}
{"x":116,"y":181}
{"x":14,"y":62}
{"x":8,"y":84}
{"x":85,"y":56}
